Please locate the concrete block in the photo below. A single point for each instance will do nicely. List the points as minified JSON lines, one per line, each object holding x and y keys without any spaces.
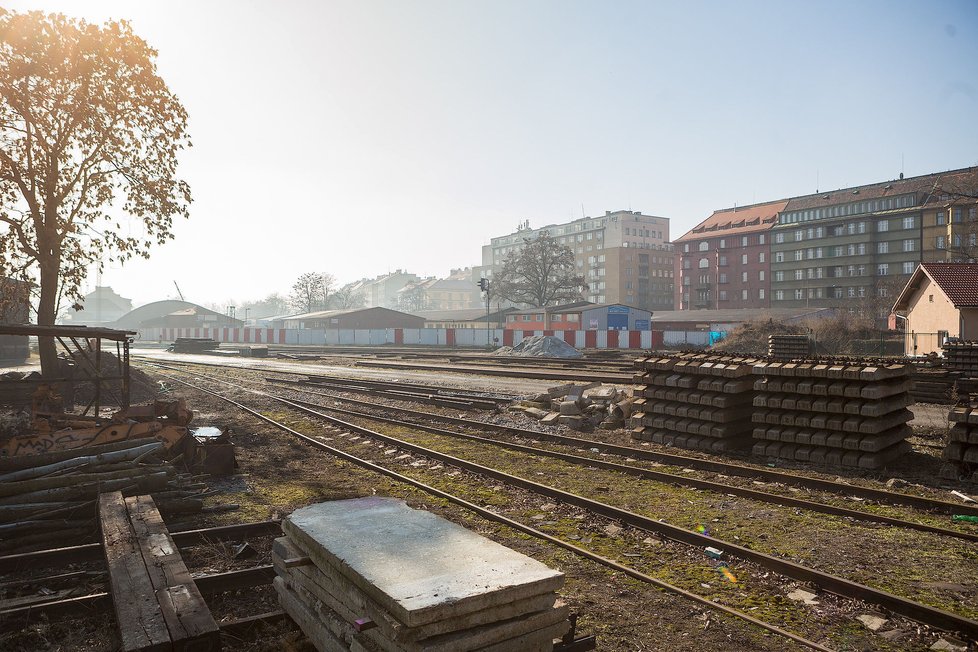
{"x":569,"y":408}
{"x":574,"y":422}
{"x":550,"y":419}
{"x":442,"y":570}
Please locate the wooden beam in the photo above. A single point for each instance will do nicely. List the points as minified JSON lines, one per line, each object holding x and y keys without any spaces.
{"x":141,"y":622}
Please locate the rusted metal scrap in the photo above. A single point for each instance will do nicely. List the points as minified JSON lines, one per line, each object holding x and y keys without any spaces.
{"x":164,"y":421}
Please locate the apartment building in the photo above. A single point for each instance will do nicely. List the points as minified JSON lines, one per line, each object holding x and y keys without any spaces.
{"x":852,"y":248}
{"x":856,"y":248}
{"x":624,"y":256}
{"x":724,"y":261}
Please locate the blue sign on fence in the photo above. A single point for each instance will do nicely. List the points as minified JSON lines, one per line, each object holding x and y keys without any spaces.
{"x":642,"y":325}
{"x":617,"y":310}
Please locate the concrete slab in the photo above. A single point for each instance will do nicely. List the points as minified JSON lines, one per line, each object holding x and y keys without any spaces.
{"x":351,"y":603}
{"x":419,"y":566}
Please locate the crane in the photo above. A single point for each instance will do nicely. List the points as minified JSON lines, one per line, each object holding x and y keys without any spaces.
{"x":178,"y":290}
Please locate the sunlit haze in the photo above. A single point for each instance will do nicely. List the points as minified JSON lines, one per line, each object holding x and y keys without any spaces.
{"x":360,"y":137}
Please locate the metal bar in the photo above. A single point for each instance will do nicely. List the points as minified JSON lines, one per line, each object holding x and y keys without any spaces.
{"x":98,"y":375}
{"x":101,"y":602}
{"x":242,"y":626}
{"x":93,"y":551}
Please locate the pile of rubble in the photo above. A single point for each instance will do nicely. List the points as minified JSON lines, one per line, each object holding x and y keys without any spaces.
{"x":698,"y":401}
{"x":580,"y":407}
{"x":541,"y":346}
{"x":374,"y":574}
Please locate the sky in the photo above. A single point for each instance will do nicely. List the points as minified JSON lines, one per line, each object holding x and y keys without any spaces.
{"x":356,"y":138}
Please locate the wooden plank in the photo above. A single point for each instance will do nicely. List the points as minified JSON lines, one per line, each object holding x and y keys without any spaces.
{"x":187,"y":617}
{"x":137,"y":610}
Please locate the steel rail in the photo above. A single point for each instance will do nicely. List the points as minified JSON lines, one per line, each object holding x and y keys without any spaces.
{"x":832,"y":583}
{"x":659,"y":476}
{"x":583,"y":375}
{"x":726,"y":468}
{"x":516,"y":525}
{"x":94,"y":603}
{"x":93,"y":551}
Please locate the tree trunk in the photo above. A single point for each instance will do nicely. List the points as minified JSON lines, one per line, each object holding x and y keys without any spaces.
{"x":47,"y":313}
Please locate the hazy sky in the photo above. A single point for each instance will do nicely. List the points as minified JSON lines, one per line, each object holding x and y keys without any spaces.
{"x":365,"y":136}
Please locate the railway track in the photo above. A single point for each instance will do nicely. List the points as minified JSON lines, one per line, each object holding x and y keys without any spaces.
{"x":835,"y":584}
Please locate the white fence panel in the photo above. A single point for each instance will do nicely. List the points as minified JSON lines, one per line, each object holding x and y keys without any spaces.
{"x":412,"y":336}
{"x":378,"y":336}
{"x":428,"y":336}
{"x":646,"y":339}
{"x":602,"y":339}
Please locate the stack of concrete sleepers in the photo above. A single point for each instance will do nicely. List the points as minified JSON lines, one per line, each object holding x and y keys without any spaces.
{"x":962,"y":356}
{"x":787,"y":347}
{"x":840,"y":413}
{"x":373,"y":574}
{"x":697,"y":401}
{"x":961,"y":449}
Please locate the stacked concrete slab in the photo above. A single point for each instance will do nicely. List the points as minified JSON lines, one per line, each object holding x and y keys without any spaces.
{"x":962,"y":446}
{"x":787,"y":347}
{"x":840,"y":413}
{"x":373,"y":574}
{"x":699,"y":401}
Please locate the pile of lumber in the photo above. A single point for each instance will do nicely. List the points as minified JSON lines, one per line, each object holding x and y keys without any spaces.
{"x":193,"y":345}
{"x":374,"y":574}
{"x":961,"y":450}
{"x":699,"y":401}
{"x":50,"y":498}
{"x":833,"y":412}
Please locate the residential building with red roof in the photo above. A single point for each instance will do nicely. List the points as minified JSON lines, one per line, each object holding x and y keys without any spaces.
{"x":724,"y":261}
{"x":940,"y":300}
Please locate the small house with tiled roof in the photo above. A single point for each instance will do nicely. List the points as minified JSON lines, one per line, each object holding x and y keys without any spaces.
{"x":940,"y":300}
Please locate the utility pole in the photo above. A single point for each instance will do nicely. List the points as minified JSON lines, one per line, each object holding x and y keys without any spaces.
{"x":484,"y":285}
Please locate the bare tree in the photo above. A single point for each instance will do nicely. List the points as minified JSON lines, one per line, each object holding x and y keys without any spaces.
{"x":541,"y":273}
{"x":311,"y":291}
{"x":89,"y":135}
{"x":346,"y":298}
{"x":412,"y":298}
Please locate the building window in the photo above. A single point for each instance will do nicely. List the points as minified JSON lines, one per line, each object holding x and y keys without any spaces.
{"x":686,"y":248}
{"x":779,"y":276}
{"x":851,"y":292}
{"x":908,"y":222}
{"x":743,"y":295}
{"x":908,"y":267}
{"x":723,"y":261}
{"x":883,"y":225}
{"x":723,"y":278}
{"x":723,"y":295}
{"x":743,"y":241}
{"x":760,"y":275}
{"x":760,"y":238}
{"x":909,"y":245}
{"x":723,"y":243}
{"x":778,"y":238}
{"x":704,"y":263}
{"x":799,"y":254}
{"x":704,"y":246}
{"x":743,"y":259}
{"x":799,"y":294}
{"x":862,"y":291}
{"x":940,"y":218}
{"x":883,"y":247}
{"x":760,"y":257}
{"x":779,"y":256}
{"x":743,"y":277}
{"x":760,"y":293}
{"x":799,"y":234}
{"x":779,"y":295}
{"x":799,"y":274}
{"x":883,"y":269}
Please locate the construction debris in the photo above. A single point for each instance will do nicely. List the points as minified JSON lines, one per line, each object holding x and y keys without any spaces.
{"x":374,"y":574}
{"x":541,"y":346}
{"x":193,"y":345}
{"x":579,"y":407}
